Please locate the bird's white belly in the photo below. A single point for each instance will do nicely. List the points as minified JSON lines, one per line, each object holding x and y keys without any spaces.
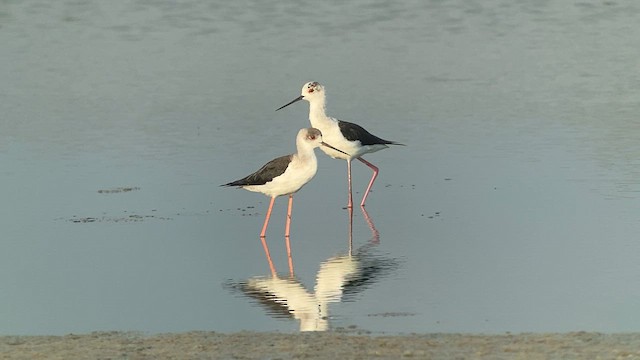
{"x":293,"y":179}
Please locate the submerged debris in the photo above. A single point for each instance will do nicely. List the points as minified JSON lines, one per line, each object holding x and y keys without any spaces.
{"x":118,"y":190}
{"x":116,"y":219}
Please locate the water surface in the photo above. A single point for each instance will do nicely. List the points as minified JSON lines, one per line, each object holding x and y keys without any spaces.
{"x":514,"y":206}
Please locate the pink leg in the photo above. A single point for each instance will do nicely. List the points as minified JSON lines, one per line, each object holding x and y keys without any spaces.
{"x":373,"y":178}
{"x":266,"y":252}
{"x":375,"y":239}
{"x":286,"y":235}
{"x":288,"y":225}
{"x":350,"y":231}
{"x":287,"y":241}
{"x":266,"y":219}
{"x":350,"y":203}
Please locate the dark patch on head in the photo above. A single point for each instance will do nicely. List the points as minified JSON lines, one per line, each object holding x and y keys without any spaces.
{"x":313,"y":133}
{"x":312,"y":86}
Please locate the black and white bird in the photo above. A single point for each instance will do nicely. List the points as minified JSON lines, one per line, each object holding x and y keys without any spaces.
{"x":352,"y":138}
{"x":287,"y":174}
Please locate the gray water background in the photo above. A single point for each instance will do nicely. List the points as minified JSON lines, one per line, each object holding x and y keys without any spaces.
{"x":514,"y":207}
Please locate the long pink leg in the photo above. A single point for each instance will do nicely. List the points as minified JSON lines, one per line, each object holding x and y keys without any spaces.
{"x":266,"y":252}
{"x":287,"y":241}
{"x":350,"y":203}
{"x":373,"y":178}
{"x":350,"y":231}
{"x":288,"y":225}
{"x":286,"y":235}
{"x":266,"y":219}
{"x":374,"y":232}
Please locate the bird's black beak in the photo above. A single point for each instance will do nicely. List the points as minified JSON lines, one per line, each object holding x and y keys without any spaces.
{"x":294,"y":100}
{"x":329,"y":146}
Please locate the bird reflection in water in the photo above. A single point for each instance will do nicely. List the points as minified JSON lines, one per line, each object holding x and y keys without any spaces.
{"x":339,"y":278}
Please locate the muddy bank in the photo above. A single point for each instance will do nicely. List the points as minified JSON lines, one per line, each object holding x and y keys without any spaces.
{"x":250,"y":345}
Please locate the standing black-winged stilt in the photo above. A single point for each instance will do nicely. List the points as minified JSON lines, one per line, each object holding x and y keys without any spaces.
{"x":287,"y":174}
{"x":352,"y":138}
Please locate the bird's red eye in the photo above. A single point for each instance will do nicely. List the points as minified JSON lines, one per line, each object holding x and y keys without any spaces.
{"x":311,"y":137}
{"x":310,"y":91}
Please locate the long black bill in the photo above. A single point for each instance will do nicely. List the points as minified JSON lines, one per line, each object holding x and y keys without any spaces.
{"x":294,"y":100}
{"x":329,"y":146}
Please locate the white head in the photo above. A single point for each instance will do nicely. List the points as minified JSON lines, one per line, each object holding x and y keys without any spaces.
{"x":311,"y":91}
{"x":312,"y":137}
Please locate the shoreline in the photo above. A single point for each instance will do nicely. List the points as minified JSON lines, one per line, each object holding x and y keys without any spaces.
{"x":265,"y":345}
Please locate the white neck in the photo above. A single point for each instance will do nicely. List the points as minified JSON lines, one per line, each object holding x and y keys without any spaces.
{"x":317,"y":114}
{"x":305,"y":150}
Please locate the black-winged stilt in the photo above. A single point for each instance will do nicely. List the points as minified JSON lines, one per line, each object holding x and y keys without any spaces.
{"x":352,"y":138}
{"x":287,"y":174}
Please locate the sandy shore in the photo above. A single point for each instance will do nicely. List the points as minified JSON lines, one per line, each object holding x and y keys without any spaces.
{"x":250,"y":345}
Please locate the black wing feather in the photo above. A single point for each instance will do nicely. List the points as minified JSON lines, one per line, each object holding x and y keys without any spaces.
{"x":270,"y":170}
{"x":355,"y":132}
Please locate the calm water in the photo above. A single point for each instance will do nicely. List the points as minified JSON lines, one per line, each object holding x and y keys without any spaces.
{"x":514,"y":207}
